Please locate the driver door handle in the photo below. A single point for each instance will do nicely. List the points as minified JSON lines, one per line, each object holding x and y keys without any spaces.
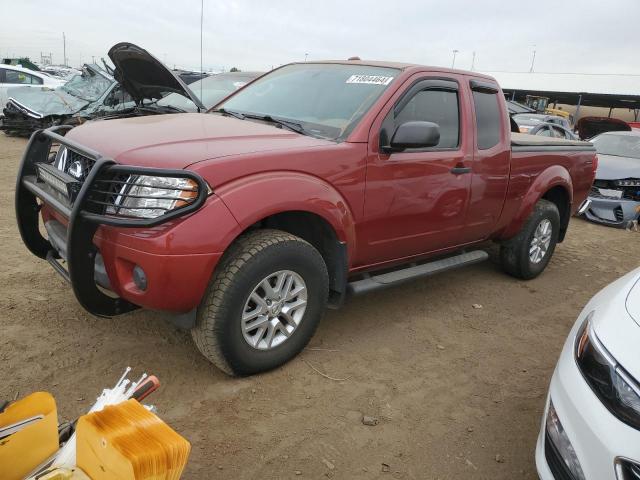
{"x":459,"y":169}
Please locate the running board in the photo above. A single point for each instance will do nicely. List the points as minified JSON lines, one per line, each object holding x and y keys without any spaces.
{"x":389,"y":279}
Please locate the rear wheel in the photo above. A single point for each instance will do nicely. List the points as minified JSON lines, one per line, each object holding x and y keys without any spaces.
{"x":527,"y":254}
{"x":263,"y":304}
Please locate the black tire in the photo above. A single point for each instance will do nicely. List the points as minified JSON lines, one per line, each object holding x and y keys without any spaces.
{"x":253,"y":257}
{"x":514,"y":253}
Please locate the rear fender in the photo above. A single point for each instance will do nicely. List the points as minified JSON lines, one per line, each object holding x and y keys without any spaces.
{"x":553,"y":176}
{"x":255,"y":197}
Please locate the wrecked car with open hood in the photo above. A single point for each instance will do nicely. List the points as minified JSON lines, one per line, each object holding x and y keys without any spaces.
{"x":132,"y":89}
{"x":615,"y":197}
{"x":87,"y":94}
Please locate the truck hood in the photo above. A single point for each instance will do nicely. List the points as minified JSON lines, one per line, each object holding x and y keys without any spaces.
{"x":617,"y":320}
{"x":180,"y":140}
{"x":144,"y":76}
{"x":611,"y":167}
{"x":42,"y":102}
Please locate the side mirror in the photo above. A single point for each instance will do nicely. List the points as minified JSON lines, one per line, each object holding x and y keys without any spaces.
{"x":414,"y":135}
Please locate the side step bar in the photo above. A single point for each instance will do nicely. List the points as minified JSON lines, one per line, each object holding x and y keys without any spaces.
{"x":389,"y":279}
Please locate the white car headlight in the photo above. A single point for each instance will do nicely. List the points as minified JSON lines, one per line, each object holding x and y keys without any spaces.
{"x":561,"y":443}
{"x":149,"y":197}
{"x":613,"y":385}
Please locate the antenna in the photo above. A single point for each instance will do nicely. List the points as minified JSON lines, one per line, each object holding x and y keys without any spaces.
{"x":201,"y":22}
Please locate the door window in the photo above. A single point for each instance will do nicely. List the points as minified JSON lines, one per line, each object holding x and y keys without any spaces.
{"x":544,"y":132}
{"x":431,"y":105}
{"x":22,"y":78}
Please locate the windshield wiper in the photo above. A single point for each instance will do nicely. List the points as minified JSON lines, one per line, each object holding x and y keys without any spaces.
{"x":291,"y":125}
{"x":224,"y":111}
{"x":171,"y":107}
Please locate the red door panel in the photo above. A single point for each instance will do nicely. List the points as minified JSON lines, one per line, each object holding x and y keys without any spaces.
{"x":414,"y":204}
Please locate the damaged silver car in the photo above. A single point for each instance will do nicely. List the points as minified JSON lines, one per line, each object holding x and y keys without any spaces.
{"x":132,"y":89}
{"x":90,"y":93}
{"x":615,"y":196}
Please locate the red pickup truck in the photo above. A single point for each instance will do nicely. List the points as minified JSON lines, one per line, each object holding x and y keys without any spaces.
{"x":316,"y":181}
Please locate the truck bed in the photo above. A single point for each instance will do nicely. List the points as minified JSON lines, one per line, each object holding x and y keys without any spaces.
{"x":524,"y":142}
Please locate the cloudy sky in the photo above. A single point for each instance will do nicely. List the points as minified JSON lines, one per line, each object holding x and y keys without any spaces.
{"x":590,"y":36}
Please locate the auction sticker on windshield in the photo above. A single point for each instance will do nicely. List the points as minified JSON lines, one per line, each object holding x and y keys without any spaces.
{"x":370,"y":79}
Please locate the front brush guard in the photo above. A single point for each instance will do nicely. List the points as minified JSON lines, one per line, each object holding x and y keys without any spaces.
{"x":83,"y":223}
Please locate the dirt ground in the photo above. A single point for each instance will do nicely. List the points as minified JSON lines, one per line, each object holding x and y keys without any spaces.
{"x":458,"y":390}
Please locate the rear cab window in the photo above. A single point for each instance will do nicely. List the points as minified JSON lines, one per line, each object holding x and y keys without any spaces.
{"x":488,"y":114}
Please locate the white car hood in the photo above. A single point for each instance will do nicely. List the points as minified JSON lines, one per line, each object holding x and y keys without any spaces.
{"x":617,"y":320}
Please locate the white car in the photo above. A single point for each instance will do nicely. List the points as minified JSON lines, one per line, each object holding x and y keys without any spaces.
{"x":15,"y":76}
{"x":591,"y":425}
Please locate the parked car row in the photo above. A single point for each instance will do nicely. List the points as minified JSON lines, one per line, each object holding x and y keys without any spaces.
{"x":97,"y":93}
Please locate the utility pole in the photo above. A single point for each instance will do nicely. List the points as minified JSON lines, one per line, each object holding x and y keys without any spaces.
{"x":305,"y":56}
{"x":64,"y":49}
{"x":473,"y":61}
{"x":533,"y":59}
{"x":93,"y":59}
{"x":453,"y":62}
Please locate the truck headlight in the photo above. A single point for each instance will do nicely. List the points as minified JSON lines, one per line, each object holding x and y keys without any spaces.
{"x":149,"y":197}
{"x":611,"y":383}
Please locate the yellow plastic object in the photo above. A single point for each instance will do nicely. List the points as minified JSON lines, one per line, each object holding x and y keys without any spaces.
{"x":26,"y":449}
{"x":63,"y":474}
{"x":128,"y":442}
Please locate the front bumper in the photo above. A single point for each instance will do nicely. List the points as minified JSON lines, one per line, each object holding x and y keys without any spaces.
{"x":613,"y":212}
{"x":176,"y":282}
{"x":598,"y":438}
{"x":18,"y":119}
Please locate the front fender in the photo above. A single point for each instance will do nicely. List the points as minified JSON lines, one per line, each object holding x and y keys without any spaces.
{"x":553,"y":176}
{"x":255,"y":197}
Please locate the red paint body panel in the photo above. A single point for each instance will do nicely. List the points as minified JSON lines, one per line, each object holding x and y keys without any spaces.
{"x":385,"y":207}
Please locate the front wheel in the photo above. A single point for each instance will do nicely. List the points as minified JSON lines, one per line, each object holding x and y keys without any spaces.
{"x":527,"y":254}
{"x":263,"y":304}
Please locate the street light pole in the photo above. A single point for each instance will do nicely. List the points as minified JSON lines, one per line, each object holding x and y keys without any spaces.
{"x":64,"y":50}
{"x":473,"y":61}
{"x":453,"y":62}
{"x":305,"y":56}
{"x":533,"y":59}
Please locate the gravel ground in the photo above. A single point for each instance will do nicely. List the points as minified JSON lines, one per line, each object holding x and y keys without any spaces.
{"x":458,"y":391}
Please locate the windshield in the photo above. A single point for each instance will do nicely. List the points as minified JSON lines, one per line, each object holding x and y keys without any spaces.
{"x":214,"y":89}
{"x":327,"y":100}
{"x":88,"y":86}
{"x":618,"y":145}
